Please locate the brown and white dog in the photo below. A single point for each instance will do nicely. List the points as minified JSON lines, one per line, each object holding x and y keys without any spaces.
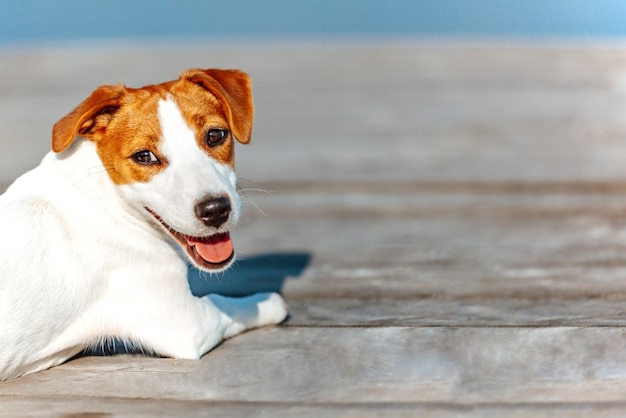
{"x":93,"y":241}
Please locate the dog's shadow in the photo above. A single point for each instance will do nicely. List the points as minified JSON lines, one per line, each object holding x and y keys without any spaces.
{"x":259,"y":273}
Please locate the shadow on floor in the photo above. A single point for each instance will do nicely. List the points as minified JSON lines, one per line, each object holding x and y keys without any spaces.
{"x":260,"y":273}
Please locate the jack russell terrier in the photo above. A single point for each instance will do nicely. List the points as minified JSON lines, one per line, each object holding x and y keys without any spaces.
{"x":94,"y":240}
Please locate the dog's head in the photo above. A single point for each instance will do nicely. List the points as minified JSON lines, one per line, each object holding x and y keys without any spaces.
{"x":170,"y":150}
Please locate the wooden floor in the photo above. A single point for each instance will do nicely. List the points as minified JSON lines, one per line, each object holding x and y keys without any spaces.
{"x":446,"y":221}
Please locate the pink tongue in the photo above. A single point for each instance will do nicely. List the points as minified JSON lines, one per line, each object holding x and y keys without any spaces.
{"x":215,"y":249}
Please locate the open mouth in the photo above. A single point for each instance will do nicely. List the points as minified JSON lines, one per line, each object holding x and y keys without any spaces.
{"x":212,"y":252}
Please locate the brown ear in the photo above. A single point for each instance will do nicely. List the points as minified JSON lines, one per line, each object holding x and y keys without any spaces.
{"x":89,"y":119}
{"x":234,"y":91}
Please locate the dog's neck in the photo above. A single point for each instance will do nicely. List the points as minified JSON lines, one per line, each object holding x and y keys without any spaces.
{"x":81,"y":167}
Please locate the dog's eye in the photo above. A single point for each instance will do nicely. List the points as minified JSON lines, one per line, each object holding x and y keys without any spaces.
{"x":216,"y":137}
{"x":146,"y":157}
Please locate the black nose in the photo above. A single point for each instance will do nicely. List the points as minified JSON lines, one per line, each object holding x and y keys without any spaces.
{"x":213,"y":211}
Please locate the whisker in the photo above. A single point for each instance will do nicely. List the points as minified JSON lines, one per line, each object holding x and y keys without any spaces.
{"x":255,"y":207}
{"x":242,"y":190}
{"x":92,"y":171}
{"x":247,"y":180}
{"x":245,"y":198}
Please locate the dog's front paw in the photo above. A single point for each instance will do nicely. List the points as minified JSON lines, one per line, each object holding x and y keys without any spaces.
{"x":253,"y":311}
{"x":272,"y":309}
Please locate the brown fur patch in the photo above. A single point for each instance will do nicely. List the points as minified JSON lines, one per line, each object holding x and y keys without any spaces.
{"x":202,"y":111}
{"x":123,"y":121}
{"x":233,"y":89}
{"x":135,"y":127}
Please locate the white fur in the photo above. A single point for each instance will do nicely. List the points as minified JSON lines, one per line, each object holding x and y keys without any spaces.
{"x":81,"y":260}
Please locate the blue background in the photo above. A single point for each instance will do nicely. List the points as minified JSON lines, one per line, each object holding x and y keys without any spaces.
{"x":36,"y":21}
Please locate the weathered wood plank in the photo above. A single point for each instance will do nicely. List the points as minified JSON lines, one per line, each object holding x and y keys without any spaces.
{"x":441,"y":199}
{"x":69,"y":406}
{"x":494,"y":312}
{"x":356,"y":365}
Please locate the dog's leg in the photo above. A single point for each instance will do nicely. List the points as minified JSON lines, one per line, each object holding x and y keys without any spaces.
{"x":254,"y":311}
{"x":202,"y":323}
{"x":184,"y":326}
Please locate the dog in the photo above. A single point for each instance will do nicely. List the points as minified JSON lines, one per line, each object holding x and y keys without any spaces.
{"x":95,"y":241}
